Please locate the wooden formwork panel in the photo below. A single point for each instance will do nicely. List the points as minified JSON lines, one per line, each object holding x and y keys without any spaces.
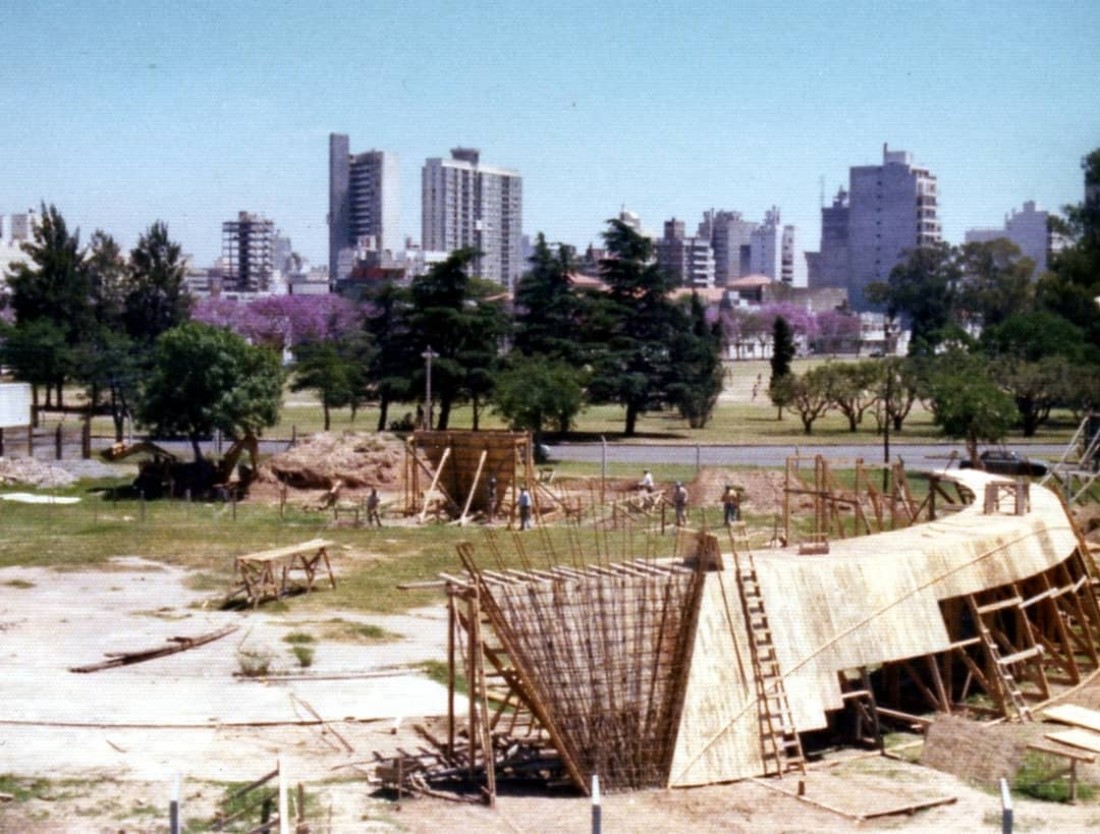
{"x":649,"y":679}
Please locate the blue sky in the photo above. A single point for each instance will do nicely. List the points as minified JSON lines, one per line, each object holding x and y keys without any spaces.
{"x":122,"y":113}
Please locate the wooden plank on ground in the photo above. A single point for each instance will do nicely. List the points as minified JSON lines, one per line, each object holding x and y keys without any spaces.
{"x":176,"y":644}
{"x":1084,"y":739}
{"x":1075,"y":715}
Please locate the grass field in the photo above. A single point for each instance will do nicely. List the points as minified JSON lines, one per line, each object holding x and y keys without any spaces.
{"x":204,"y":537}
{"x":739,"y":418}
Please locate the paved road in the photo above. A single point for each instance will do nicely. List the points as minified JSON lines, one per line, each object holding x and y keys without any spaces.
{"x":915,"y":456}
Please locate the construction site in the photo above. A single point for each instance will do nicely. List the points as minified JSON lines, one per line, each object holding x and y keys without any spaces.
{"x":852,"y":622}
{"x":609,"y":650}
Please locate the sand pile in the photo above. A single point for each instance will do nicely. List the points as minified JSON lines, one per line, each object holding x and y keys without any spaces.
{"x":30,"y":472}
{"x":356,"y":460}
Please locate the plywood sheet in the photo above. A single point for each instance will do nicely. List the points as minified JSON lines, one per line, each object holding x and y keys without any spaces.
{"x":1084,"y":739}
{"x":1075,"y":715}
{"x":719,"y":732}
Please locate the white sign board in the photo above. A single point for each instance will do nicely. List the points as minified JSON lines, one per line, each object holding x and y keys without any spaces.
{"x":15,"y":404}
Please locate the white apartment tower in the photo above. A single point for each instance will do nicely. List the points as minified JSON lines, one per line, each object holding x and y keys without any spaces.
{"x":465,"y":203}
{"x":364,"y":215}
{"x":892,"y":208}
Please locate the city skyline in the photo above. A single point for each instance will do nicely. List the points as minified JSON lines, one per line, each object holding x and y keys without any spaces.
{"x":125,"y":113}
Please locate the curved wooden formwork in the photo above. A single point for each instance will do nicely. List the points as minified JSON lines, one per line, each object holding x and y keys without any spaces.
{"x":652,"y":674}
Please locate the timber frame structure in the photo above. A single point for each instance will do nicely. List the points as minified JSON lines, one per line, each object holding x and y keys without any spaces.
{"x":712,"y":665}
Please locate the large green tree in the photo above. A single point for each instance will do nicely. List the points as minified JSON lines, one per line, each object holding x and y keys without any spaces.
{"x":462,"y":320}
{"x":52,"y":288}
{"x":156,"y":299}
{"x":966,"y":401}
{"x":335,"y":369}
{"x":697,"y":364}
{"x":548,"y":312}
{"x":781,"y":358}
{"x":1072,"y":286}
{"x":632,"y":327}
{"x":206,"y":379}
{"x":395,"y":359}
{"x":924,"y":288}
{"x":537,"y":395}
{"x":996,"y":281}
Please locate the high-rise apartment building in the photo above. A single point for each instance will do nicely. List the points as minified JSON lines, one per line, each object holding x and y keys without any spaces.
{"x":773,"y":251}
{"x":730,"y":237}
{"x":1028,"y":229}
{"x":892,"y":207}
{"x":248,"y":253}
{"x":465,"y":203}
{"x":690,"y":259}
{"x":364,"y":214}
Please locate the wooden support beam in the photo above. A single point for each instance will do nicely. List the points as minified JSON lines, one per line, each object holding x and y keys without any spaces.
{"x":473,"y":487}
{"x":435,"y":481}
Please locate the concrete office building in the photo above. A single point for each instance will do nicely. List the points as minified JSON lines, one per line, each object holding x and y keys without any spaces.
{"x":891,"y":208}
{"x":465,"y":203}
{"x":1028,"y":229}
{"x":364,"y":214}
{"x":248,"y":253}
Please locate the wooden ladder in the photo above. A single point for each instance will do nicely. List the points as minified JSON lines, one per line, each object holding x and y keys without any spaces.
{"x":781,"y":747}
{"x":1002,"y":666}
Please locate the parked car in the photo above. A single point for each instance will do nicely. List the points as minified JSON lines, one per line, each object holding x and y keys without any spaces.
{"x":1007,"y":462}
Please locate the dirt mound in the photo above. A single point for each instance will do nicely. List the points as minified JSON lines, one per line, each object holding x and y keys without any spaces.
{"x":356,"y":460}
{"x":762,"y":495}
{"x":30,"y":472}
{"x":1087,"y":517}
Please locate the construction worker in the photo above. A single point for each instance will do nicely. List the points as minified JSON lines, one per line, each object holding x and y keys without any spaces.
{"x":731,"y":504}
{"x":373,"y":502}
{"x":679,"y":501}
{"x":524,"y":504}
{"x":491,"y":499}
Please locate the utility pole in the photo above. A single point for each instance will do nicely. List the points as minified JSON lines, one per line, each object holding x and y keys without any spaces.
{"x":428,"y":355}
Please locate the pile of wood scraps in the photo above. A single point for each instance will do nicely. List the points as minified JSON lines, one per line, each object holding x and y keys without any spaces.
{"x":451,"y":772}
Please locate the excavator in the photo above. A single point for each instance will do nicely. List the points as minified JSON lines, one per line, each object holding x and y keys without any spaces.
{"x":162,"y":473}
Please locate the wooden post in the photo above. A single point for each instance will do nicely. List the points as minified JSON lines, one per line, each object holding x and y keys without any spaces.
{"x":86,"y":437}
{"x":473,"y":616}
{"x":284,"y":816}
{"x":451,"y":625}
{"x":57,"y":442}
